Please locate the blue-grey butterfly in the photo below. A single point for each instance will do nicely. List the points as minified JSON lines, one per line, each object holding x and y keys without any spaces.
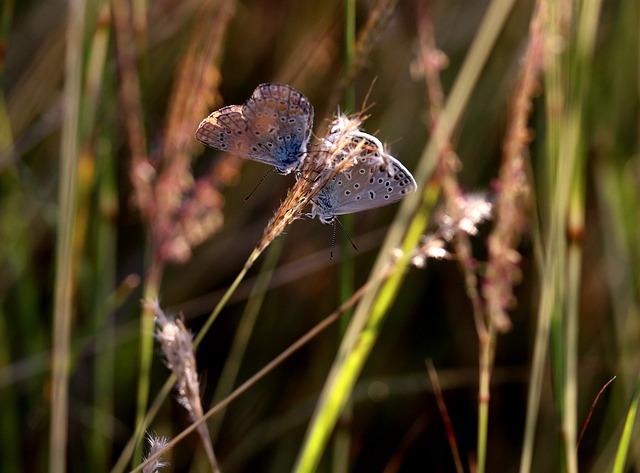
{"x":272,"y":127}
{"x":374,"y":180}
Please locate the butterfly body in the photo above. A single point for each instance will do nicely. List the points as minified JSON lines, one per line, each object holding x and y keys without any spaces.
{"x":272,"y":127}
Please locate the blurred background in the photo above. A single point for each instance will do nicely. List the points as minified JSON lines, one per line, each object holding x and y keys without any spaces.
{"x":164,"y":65}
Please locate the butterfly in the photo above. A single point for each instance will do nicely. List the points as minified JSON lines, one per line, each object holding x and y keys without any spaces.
{"x":375,"y":179}
{"x":272,"y":127}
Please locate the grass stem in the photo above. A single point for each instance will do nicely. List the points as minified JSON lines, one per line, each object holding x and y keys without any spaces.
{"x":66,"y":263}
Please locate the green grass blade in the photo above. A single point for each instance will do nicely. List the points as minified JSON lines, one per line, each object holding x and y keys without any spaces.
{"x":624,"y":446}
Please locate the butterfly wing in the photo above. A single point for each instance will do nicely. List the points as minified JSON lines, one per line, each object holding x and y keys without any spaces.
{"x":223,"y":130}
{"x":281,"y":119}
{"x":369,"y":184}
{"x":272,"y":127}
{"x":375,"y":180}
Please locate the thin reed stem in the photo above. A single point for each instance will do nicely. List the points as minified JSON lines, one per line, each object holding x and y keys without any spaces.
{"x":151,"y":291}
{"x":105,"y":271}
{"x":221,"y":304}
{"x":553,"y":242}
{"x":128,"y":450}
{"x":346,"y":263}
{"x":246,"y":324}
{"x":347,"y":268}
{"x":6,"y":138}
{"x":579,"y":74}
{"x":444,"y":413}
{"x":567,"y":79}
{"x":66,"y":268}
{"x":487,"y":352}
{"x":342,"y":439}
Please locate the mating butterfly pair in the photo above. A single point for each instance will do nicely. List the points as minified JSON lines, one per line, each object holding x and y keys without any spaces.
{"x":274,"y":127}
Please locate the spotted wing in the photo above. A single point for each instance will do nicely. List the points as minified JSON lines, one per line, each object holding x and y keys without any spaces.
{"x":368,"y":185}
{"x":225,"y":129}
{"x":272,"y":127}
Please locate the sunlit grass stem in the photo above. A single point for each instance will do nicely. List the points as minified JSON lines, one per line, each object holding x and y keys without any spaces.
{"x":246,"y":324}
{"x":66,"y":269}
{"x":624,"y":445}
{"x":580,"y":73}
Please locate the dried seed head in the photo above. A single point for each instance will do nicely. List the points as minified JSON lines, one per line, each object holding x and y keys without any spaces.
{"x":156,"y":444}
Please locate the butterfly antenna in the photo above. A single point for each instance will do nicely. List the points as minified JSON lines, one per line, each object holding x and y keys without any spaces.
{"x":258,"y":185}
{"x":344,"y":230}
{"x":333,"y":237}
